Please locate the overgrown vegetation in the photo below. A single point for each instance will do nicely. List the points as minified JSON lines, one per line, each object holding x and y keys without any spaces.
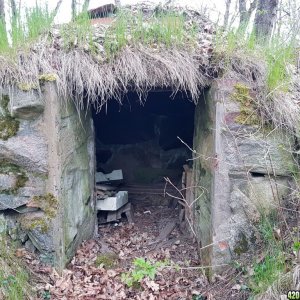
{"x":9,"y":126}
{"x":275,"y":55}
{"x":142,"y":269}
{"x":161,"y":29}
{"x":272,"y":262}
{"x":25,"y":29}
{"x":14,"y":279}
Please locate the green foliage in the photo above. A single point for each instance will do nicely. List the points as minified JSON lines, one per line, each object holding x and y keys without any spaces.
{"x":247,"y":113}
{"x":14,"y":279}
{"x":25,"y":29}
{"x":4,"y":46}
{"x":107,"y":260}
{"x":78,"y":32}
{"x":268,"y":269}
{"x":296,"y":246}
{"x":142,"y":269}
{"x":275,"y":54}
{"x":166,"y":29}
{"x":9,"y":126}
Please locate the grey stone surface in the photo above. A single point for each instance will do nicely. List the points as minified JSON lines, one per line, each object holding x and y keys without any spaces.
{"x":41,"y":241}
{"x":7,"y":181}
{"x":12,"y":201}
{"x":28,"y":149}
{"x":29,"y":246}
{"x":244,"y":171}
{"x":26,"y":104}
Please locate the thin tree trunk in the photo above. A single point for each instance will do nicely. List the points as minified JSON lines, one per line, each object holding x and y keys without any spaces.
{"x":226,"y":15}
{"x":2,"y":11}
{"x":57,"y":8}
{"x":85,"y":5}
{"x":117,"y":3}
{"x":13,"y":8}
{"x":265,"y":17}
{"x":245,"y":14}
{"x":73,"y":6}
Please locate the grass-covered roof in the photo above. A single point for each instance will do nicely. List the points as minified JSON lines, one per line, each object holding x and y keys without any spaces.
{"x":149,"y":46}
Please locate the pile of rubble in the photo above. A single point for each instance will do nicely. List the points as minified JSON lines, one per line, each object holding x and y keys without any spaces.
{"x":109,"y":199}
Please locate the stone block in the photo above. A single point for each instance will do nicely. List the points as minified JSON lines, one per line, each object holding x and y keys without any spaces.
{"x":113,"y":203}
{"x":7,"y":182}
{"x":26,"y":105}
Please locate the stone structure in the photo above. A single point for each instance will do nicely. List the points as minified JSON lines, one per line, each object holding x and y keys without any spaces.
{"x":47,"y":155}
{"x":46,"y":173}
{"x":240,"y":171}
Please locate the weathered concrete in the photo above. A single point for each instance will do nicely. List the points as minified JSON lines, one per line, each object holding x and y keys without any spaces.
{"x":243,"y":170}
{"x":113,"y":203}
{"x":47,"y":174}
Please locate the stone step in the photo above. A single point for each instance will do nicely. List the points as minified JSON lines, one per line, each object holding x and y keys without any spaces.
{"x":113,"y":203}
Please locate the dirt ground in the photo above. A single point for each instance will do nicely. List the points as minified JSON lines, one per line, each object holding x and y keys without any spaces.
{"x":97,"y":271}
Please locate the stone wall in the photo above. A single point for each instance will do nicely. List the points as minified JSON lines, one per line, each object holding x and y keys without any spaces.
{"x":46,"y":173}
{"x":243,"y":170}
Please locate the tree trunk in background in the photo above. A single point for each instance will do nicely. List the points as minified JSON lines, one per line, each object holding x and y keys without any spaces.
{"x":118,"y":3}
{"x":2,"y":12}
{"x":85,"y":5}
{"x":245,"y":14}
{"x":226,"y":15}
{"x":57,"y":8}
{"x":73,"y":7}
{"x":265,"y":17}
{"x":13,"y":8}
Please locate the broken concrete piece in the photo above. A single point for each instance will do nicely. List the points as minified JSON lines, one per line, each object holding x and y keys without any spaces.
{"x":115,"y":176}
{"x":113,"y":203}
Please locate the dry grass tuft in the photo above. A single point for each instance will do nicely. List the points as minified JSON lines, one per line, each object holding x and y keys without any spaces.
{"x":89,"y":82}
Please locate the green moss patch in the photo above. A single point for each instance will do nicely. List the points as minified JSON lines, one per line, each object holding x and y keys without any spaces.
{"x":242,"y":244}
{"x":40,"y":223}
{"x":21,"y":177}
{"x":26,"y":87}
{"x":47,"y":203}
{"x":9,"y":126}
{"x":47,"y":77}
{"x":107,"y":260}
{"x":248,"y":114}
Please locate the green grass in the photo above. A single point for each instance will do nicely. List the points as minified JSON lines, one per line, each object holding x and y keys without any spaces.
{"x":14,"y":280}
{"x":272,"y":266}
{"x":167,"y":29}
{"x":78,"y":32}
{"x":275,"y":53}
{"x":25,"y":30}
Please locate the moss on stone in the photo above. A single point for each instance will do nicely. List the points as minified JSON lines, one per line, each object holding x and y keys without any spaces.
{"x":36,"y":223}
{"x":9,"y":126}
{"x":7,"y":167}
{"x":248,"y":114}
{"x":48,"y":204}
{"x":107,"y":260}
{"x":26,"y":87}
{"x":241,"y":245}
{"x":47,"y":77}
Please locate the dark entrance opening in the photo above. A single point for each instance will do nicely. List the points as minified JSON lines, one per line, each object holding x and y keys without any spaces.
{"x":142,"y":140}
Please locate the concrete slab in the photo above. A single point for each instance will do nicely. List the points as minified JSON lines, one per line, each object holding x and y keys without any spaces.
{"x":113,"y":203}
